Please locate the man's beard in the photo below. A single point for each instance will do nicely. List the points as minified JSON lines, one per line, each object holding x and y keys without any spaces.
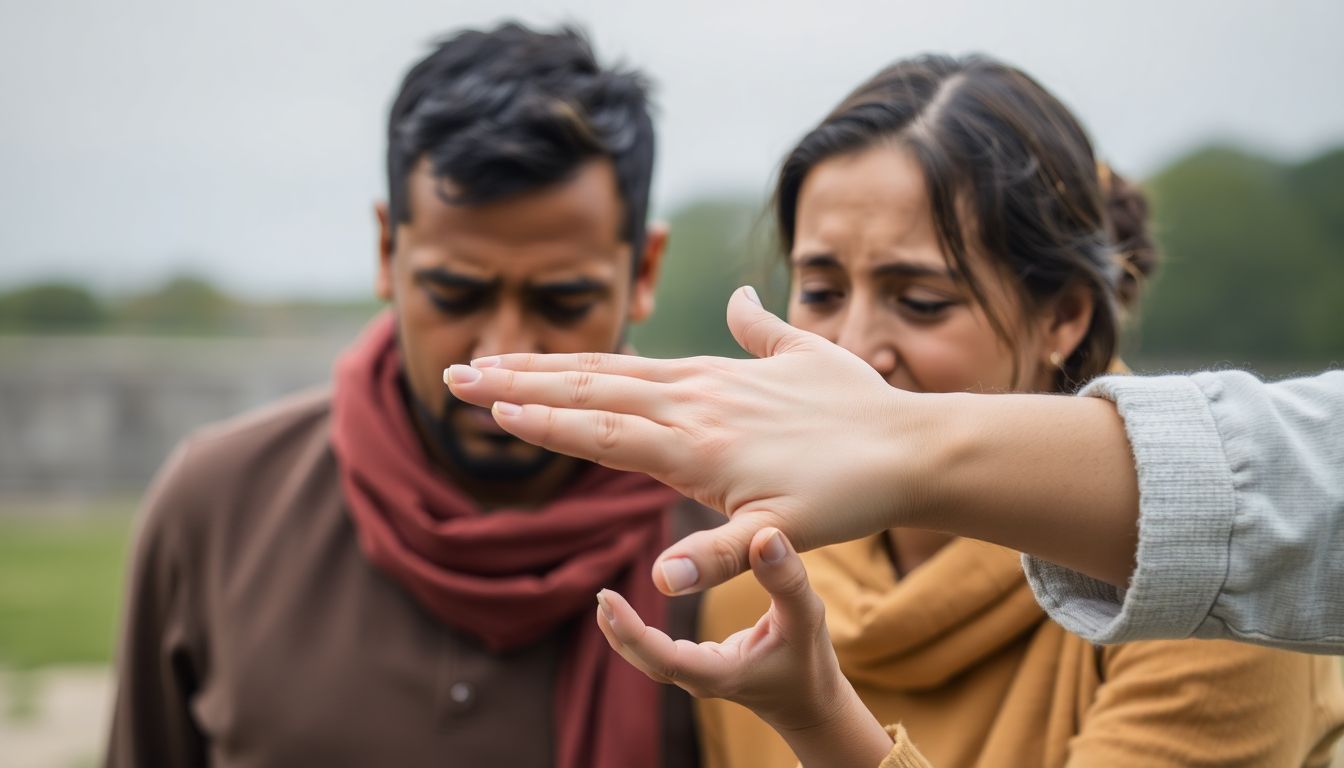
{"x":499,"y":468}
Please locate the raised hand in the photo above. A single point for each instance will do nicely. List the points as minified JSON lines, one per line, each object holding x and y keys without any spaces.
{"x":808,"y":426}
{"x":783,"y":669}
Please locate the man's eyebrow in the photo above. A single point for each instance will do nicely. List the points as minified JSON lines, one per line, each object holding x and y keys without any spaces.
{"x":444,"y":277}
{"x":567,"y":287}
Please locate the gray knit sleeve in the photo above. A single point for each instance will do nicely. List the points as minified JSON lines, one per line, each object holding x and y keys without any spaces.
{"x":1241,"y":515}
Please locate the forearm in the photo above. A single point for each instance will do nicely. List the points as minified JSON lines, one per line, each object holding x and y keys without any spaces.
{"x":849,"y":737}
{"x":1048,"y":475}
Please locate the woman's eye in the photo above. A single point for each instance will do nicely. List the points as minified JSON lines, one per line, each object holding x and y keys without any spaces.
{"x":816,"y":296}
{"x":925,"y":308}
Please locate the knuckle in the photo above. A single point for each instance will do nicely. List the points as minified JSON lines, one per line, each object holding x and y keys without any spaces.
{"x":763,"y":328}
{"x":590,"y":362}
{"x":580,"y":386}
{"x":712,"y":446}
{"x":683,"y":395}
{"x":726,"y":556}
{"x":794,"y":583}
{"x":718,"y":365}
{"x":547,"y":426}
{"x":817,"y":608}
{"x":606,"y":431}
{"x":668,"y":672}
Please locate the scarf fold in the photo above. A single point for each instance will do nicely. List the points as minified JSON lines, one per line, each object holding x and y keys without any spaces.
{"x":509,"y":577}
{"x":964,"y":604}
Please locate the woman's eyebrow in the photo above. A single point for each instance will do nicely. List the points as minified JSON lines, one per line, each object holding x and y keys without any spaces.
{"x":898,"y":268}
{"x":912,"y":269}
{"x":816,"y":260}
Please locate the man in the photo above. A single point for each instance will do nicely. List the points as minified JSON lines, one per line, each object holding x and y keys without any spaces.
{"x":377,"y":574}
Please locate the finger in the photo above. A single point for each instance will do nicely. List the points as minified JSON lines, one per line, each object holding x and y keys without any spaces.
{"x":646,"y":368}
{"x":757,"y":330}
{"x":615,"y":440}
{"x":569,"y":389}
{"x":708,"y":558}
{"x":656,"y":654}
{"x":604,"y":624}
{"x":780,"y":571}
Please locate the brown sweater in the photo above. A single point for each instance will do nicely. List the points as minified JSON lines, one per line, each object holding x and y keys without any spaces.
{"x":256,"y":634}
{"x":960,"y":654}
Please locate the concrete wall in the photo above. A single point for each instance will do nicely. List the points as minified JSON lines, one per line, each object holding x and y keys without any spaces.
{"x":91,"y":416}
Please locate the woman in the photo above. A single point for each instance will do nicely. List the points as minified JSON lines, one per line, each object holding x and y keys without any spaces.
{"x":947,"y":224}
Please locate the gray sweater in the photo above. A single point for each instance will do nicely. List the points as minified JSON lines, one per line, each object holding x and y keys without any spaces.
{"x":1241,"y":515}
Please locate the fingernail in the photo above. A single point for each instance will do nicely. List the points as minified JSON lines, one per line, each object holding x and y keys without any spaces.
{"x":461,"y":374}
{"x":507,"y":409}
{"x":679,"y":573}
{"x":774,"y":549}
{"x":602,"y":603}
{"x":485,"y":362}
{"x":751,"y":294}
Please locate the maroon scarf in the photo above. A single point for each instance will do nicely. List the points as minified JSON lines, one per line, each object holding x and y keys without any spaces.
{"x":509,"y":577}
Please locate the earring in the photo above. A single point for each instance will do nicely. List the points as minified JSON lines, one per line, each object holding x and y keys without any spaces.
{"x":1057,"y":360}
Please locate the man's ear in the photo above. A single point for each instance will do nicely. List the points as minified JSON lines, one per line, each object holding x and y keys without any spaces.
{"x":646,"y":277}
{"x":382,"y":285}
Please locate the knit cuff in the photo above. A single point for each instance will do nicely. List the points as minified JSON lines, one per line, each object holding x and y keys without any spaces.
{"x":903,"y":753}
{"x":1186,"y":506}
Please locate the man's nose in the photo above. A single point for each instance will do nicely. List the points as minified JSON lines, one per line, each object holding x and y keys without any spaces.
{"x":505,"y":331}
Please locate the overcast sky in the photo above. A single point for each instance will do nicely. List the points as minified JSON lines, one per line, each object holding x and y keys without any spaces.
{"x":243,"y":139}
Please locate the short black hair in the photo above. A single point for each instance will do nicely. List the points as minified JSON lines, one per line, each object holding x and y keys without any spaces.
{"x":507,"y":111}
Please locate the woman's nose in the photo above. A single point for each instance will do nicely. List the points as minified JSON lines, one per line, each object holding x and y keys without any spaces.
{"x":861,"y":335}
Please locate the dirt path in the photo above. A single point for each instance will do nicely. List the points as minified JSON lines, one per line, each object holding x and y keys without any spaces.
{"x":54,"y":717}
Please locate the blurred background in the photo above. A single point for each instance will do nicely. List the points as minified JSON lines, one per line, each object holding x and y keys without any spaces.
{"x":186,"y":224}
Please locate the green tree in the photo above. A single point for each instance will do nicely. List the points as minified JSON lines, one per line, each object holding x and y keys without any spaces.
{"x":55,"y":307}
{"x":1253,"y":270}
{"x":184,"y":304}
{"x":713,"y":249}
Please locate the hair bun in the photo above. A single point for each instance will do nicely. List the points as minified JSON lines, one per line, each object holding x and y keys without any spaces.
{"x":1127,"y":223}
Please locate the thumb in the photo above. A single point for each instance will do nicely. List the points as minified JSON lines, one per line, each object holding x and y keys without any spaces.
{"x":757,"y":330}
{"x":708,"y":558}
{"x":780,"y":571}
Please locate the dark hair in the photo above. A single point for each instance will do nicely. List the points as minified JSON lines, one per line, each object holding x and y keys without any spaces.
{"x":999,"y":149}
{"x":508,"y":111}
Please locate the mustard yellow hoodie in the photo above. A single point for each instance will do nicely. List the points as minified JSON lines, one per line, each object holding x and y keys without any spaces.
{"x":960,"y":654}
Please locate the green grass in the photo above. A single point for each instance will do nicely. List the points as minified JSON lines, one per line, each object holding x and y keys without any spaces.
{"x":60,"y":587}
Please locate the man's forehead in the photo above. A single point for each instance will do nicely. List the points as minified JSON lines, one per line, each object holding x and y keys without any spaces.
{"x":569,"y":229}
{"x":585,"y":205}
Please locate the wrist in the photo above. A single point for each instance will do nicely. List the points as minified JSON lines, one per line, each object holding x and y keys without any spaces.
{"x":926,"y":439}
{"x":846,"y":734}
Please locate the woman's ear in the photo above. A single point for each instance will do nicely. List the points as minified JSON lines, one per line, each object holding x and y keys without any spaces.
{"x":1065,"y":323}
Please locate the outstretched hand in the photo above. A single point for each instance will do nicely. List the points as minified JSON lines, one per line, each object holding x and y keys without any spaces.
{"x":807,"y":426}
{"x":783,"y":668}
